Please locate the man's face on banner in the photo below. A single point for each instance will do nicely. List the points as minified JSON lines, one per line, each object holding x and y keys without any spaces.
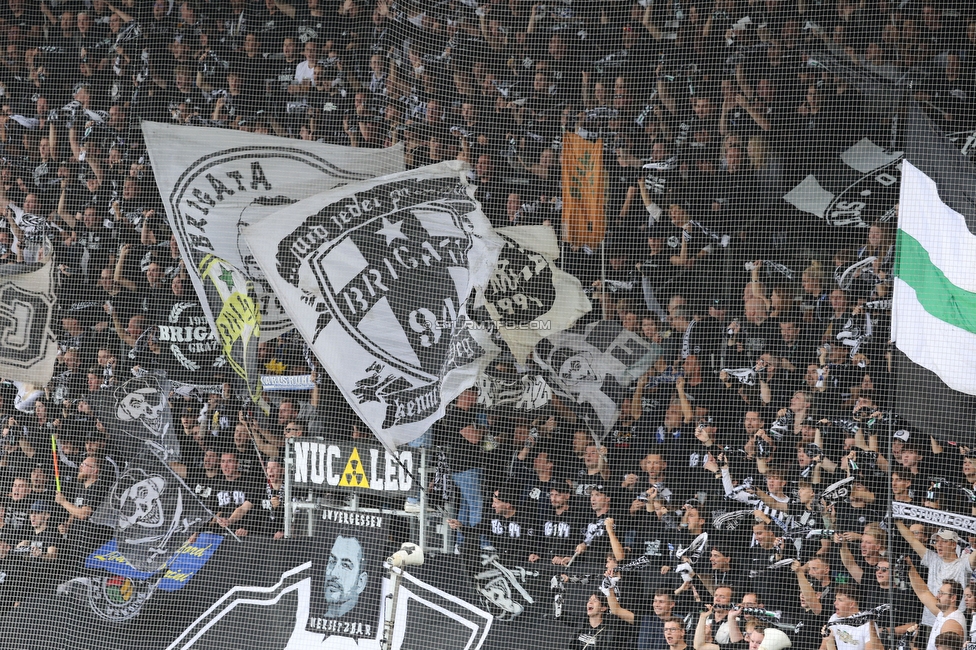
{"x":344,"y":577}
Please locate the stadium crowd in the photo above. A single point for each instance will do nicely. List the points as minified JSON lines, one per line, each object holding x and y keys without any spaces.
{"x":743,"y":496}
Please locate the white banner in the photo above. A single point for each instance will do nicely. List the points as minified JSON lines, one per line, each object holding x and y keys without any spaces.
{"x":377,"y":276}
{"x":529,"y":297}
{"x":215,"y":182}
{"x":28,"y":347}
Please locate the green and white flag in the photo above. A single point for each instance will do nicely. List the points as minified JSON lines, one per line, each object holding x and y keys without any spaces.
{"x":934,"y":308}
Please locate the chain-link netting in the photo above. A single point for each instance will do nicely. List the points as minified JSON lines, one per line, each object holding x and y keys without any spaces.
{"x":479,"y":324}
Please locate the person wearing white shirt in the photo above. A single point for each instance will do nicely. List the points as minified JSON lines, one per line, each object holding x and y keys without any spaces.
{"x":944,"y":563}
{"x":845,"y":636}
{"x":944,"y":605}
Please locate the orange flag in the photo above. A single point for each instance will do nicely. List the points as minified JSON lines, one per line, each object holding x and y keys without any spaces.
{"x":584,"y":191}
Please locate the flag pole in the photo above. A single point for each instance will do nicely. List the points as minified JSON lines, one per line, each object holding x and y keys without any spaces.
{"x":54,"y":455}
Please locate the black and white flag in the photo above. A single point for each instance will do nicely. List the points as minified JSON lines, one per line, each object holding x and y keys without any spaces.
{"x":529,"y":297}
{"x":139,"y":412}
{"x":215,"y":183}
{"x":594,"y":366}
{"x":379,"y":278}
{"x":526,"y":392}
{"x":28,"y":347}
{"x":152,"y":511}
{"x":861,"y":188}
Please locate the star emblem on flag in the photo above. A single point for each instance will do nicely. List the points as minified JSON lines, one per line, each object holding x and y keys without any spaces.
{"x":226,"y":277}
{"x":392,"y":231}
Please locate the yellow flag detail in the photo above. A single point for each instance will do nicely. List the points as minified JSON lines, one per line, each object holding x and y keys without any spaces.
{"x":353,"y":475}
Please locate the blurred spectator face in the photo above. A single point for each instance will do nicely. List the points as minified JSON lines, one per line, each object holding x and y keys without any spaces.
{"x":838,"y":301}
{"x":276,"y":471}
{"x":68,"y":23}
{"x":88,"y":468}
{"x":286,"y":412}
{"x":764,"y":536}
{"x":136,"y":325}
{"x":19,"y":489}
{"x":541,"y":463}
{"x":870,"y":546}
{"x":752,"y":422}
{"x":818,"y":570}
{"x":38,"y":479}
{"x":599,"y":501}
{"x":288,"y":48}
{"x":229,"y":466}
{"x":663,"y":605}
{"x":674,"y":416}
{"x":720,"y":562}
{"x":512,"y":205}
{"x":703,"y":107}
{"x":844,"y":606}
{"x":733,"y":158}
{"x":919,"y":532}
{"x":293,"y":430}
{"x":557,"y":47}
{"x":252,"y":46}
{"x":591,"y":457}
{"x":71,"y":360}
{"x":654,"y":465}
{"x":559,"y":499}
{"x":310,"y":52}
{"x":969,"y":469}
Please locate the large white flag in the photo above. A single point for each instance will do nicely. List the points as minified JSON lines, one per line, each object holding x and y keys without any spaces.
{"x":379,"y":277}
{"x":529,"y":297}
{"x":215,"y":182}
{"x":933,"y":317}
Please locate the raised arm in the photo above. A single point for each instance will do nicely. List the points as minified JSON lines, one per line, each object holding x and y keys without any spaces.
{"x":848,"y":558}
{"x":921,"y":589}
{"x":916,"y":545}
{"x":799,"y":570}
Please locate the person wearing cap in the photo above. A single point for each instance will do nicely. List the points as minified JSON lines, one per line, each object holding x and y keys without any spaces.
{"x":943,"y":604}
{"x":943,"y":563}
{"x":41,"y":540}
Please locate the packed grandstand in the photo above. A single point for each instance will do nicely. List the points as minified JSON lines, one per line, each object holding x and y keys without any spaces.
{"x":748,"y":478}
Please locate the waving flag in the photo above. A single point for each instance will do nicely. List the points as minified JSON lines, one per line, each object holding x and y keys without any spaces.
{"x":934,"y":302}
{"x":379,"y":278}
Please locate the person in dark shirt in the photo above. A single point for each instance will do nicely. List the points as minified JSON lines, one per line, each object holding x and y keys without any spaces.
{"x":596,"y":630}
{"x":38,"y":546}
{"x":80,"y":498}
{"x":237,"y":495}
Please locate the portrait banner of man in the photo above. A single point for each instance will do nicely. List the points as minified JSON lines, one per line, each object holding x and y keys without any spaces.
{"x":347,"y":576}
